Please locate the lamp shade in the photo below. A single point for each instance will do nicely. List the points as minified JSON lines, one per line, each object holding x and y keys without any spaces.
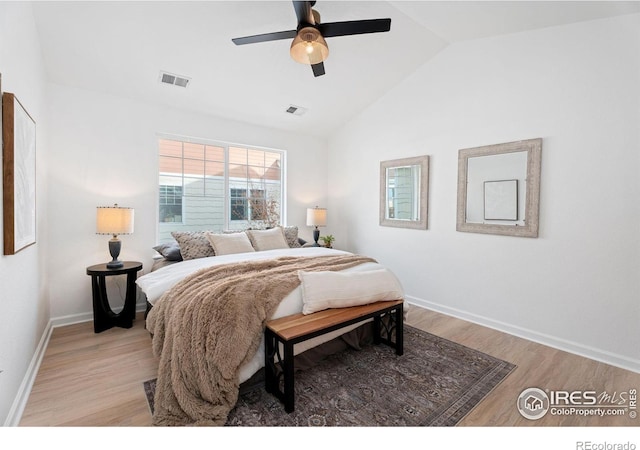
{"x":309,"y":47}
{"x":114,"y":220}
{"x":316,"y":217}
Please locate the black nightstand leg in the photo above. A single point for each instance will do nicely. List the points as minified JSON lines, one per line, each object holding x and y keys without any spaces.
{"x":126,"y":317}
{"x":101,"y":309}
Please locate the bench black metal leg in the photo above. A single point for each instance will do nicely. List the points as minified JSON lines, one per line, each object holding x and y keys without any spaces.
{"x":376,"y":329}
{"x":269,"y":365}
{"x":399,"y":330}
{"x":288,"y":378}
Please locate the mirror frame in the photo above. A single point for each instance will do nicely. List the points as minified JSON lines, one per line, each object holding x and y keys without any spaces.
{"x":422,"y":222}
{"x":533,"y":147}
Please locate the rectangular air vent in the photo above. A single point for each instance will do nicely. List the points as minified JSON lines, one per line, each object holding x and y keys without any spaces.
{"x":176,"y":80}
{"x":296,"y":110}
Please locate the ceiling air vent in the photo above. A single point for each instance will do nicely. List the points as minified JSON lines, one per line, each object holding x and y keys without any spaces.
{"x":176,"y":80}
{"x":296,"y":110}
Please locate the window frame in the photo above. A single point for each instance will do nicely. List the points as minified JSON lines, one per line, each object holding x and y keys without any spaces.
{"x":229,"y":181}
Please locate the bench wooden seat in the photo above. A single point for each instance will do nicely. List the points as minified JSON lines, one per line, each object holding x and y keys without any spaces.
{"x":290,"y":330}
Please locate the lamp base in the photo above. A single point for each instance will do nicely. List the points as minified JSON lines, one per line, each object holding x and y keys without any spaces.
{"x":114,"y":249}
{"x":316,"y":236}
{"x":115,"y":264}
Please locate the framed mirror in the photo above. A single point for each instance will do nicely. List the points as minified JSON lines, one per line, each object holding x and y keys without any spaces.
{"x":404,"y":185}
{"x":499,"y":188}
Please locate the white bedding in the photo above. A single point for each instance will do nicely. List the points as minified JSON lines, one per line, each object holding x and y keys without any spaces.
{"x":158,"y":282}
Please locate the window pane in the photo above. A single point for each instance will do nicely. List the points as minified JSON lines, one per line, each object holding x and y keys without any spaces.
{"x":272,"y":174}
{"x":204,"y":213}
{"x":271,"y":159}
{"x":170,"y":165}
{"x":170,"y":203}
{"x":214,"y":168}
{"x":170,"y":148}
{"x":237,"y":155}
{"x":170,"y":181}
{"x":238,"y":171}
{"x":214,"y":187}
{"x":256,"y":157}
{"x":213,"y":153}
{"x":258,"y":205}
{"x":195,"y":151}
{"x":256,"y":173}
{"x":193,"y":186}
{"x":193,"y":167}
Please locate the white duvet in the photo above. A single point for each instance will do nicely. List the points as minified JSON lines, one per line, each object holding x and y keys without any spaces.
{"x":158,"y":282}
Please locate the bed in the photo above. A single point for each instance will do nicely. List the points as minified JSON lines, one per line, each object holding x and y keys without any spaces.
{"x":191,"y":301}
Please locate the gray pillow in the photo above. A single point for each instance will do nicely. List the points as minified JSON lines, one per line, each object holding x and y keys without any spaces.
{"x":170,"y":251}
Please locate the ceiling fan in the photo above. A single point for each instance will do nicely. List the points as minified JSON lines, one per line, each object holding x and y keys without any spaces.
{"x":309,"y":45}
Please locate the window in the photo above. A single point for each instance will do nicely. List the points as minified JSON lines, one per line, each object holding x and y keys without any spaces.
{"x":239,"y":210}
{"x":216,"y":187}
{"x":403,"y":183}
{"x":243,"y":207}
{"x":170,"y":203}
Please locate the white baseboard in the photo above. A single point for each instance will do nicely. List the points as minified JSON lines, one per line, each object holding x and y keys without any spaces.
{"x":20,"y":401}
{"x":596,"y":354}
{"x":15,"y":413}
{"x":84,"y":317}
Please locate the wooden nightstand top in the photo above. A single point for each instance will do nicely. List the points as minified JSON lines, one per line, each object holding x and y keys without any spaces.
{"x":102,"y":269}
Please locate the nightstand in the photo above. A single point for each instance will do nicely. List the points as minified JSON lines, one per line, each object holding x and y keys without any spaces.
{"x":103,"y":317}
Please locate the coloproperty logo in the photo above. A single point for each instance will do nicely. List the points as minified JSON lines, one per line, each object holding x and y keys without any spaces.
{"x":534,"y":403}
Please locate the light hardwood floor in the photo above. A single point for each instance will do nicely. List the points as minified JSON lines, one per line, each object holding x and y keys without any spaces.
{"x":89,"y":379}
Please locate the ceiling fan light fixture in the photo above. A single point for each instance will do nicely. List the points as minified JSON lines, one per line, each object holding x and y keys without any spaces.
{"x":309,"y":47}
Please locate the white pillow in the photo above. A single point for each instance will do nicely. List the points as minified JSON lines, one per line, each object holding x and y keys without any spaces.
{"x":324,"y":290}
{"x":227,"y":244}
{"x":268,"y":239}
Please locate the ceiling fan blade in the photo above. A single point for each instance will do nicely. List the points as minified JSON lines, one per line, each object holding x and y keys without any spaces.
{"x":303,"y":12}
{"x":318,"y":69}
{"x":333,"y":29}
{"x":290,"y":34}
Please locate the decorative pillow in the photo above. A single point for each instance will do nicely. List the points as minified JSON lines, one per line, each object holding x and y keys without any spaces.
{"x":193,"y":244}
{"x":291,"y":235}
{"x":267,"y":239}
{"x":170,"y":251}
{"x":324,"y":290}
{"x":227,"y":244}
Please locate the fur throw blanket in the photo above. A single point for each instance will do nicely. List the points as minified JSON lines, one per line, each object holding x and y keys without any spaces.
{"x":209,"y":324}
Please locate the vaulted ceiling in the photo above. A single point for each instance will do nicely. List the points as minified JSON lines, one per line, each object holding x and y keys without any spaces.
{"x":122,"y":47}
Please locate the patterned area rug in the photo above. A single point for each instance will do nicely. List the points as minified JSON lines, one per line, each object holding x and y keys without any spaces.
{"x":435,"y":383}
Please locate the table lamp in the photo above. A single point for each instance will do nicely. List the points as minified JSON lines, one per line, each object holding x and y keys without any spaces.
{"x":316,"y":217}
{"x":114,"y":220}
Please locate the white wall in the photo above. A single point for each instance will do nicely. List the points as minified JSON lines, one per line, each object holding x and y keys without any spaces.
{"x":104,"y":151}
{"x":577,"y":286}
{"x":23,"y":278}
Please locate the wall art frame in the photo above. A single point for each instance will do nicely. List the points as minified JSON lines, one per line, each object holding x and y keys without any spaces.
{"x":533,"y":150}
{"x":420,"y":193}
{"x":19,"y":175}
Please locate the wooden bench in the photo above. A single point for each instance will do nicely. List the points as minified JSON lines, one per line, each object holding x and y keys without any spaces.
{"x":291,"y":330}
